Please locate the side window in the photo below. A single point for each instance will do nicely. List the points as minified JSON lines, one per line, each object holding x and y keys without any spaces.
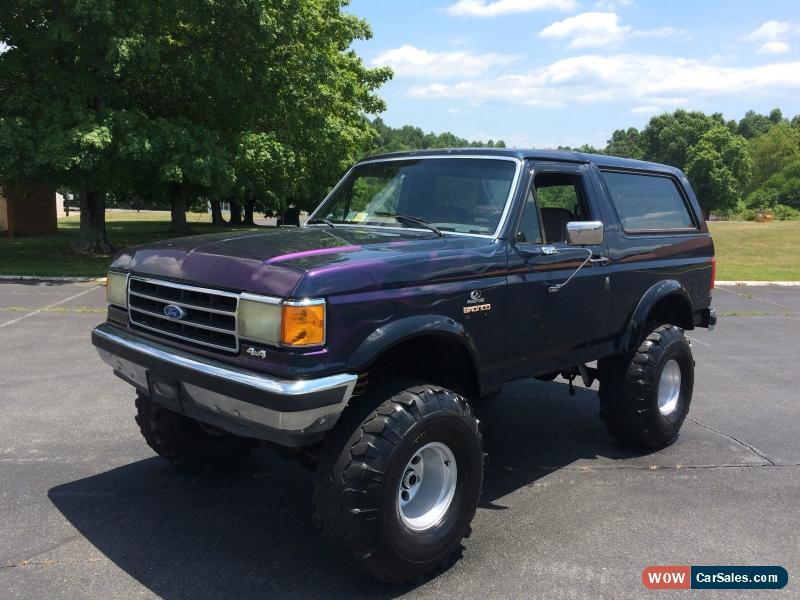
{"x":648,"y":202}
{"x":561,"y":200}
{"x":530,"y":230}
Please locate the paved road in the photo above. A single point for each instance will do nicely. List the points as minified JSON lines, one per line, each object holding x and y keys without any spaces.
{"x":87,"y":510}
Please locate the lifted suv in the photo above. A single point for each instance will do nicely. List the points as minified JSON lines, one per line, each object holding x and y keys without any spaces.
{"x":425,"y":280}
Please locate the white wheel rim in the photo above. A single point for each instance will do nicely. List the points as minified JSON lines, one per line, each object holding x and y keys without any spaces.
{"x":669,"y":387}
{"x":427,"y":486}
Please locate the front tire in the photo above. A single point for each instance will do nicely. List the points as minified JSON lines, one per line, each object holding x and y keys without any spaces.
{"x":183,"y":442}
{"x":398,"y":485}
{"x":644,"y":398}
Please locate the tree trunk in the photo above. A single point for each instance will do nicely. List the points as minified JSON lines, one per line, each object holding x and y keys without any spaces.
{"x":178,"y":210}
{"x":216,"y":213}
{"x":236,"y":213}
{"x":706,"y":213}
{"x":93,"y":238}
{"x":249,"y":206}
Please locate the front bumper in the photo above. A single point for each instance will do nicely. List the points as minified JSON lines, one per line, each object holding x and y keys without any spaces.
{"x":240,"y":401}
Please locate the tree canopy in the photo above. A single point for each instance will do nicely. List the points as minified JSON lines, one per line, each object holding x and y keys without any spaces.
{"x":408,"y":137}
{"x":733,"y":166}
{"x":718,"y":166}
{"x":183,"y":99}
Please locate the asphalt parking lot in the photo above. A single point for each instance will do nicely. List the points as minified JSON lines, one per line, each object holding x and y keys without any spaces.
{"x":88,"y":511}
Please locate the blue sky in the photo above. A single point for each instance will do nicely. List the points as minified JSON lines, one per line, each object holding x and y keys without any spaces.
{"x":548,"y":72}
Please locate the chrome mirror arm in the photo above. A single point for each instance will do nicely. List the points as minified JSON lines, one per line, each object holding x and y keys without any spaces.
{"x":555,"y":288}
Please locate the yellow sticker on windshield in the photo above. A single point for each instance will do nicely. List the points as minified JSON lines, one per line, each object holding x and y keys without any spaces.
{"x":359,"y":217}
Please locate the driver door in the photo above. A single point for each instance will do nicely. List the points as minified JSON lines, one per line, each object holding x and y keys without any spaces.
{"x":554,"y":330}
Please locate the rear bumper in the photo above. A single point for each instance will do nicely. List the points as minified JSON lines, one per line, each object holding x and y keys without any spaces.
{"x":706,"y":318}
{"x":243,"y":402}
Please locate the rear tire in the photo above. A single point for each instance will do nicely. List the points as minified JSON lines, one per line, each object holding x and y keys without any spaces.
{"x":385,"y":449}
{"x":183,"y":442}
{"x":645,"y":397}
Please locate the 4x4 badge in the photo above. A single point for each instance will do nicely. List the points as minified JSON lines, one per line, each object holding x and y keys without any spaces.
{"x":257,"y":353}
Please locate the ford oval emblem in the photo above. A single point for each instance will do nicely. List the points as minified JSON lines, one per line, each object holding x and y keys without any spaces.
{"x":176,"y":313}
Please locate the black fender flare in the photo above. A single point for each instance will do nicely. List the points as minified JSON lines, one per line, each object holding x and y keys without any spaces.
{"x":406,"y":328}
{"x":634,"y":332}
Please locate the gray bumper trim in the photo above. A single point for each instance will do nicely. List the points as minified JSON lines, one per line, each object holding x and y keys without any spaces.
{"x":230,"y":394}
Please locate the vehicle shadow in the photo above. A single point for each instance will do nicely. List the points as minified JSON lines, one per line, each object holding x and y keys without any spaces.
{"x":248,"y":533}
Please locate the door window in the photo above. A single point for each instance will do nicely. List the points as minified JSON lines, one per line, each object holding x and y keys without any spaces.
{"x":560,"y":200}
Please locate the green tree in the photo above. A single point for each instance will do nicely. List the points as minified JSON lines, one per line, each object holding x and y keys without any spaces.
{"x":179,"y":100}
{"x":772,"y":152}
{"x":668,"y":137}
{"x":754,"y":124}
{"x":781,"y":188}
{"x":718,"y":166}
{"x":391,"y":139}
{"x":60,"y":102}
{"x":625,"y":143}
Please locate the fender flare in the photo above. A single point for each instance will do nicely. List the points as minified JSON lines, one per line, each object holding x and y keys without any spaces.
{"x":634,"y":332}
{"x":407,"y":328}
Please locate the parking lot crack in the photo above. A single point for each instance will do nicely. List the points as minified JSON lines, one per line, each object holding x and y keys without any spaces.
{"x":748,"y":296}
{"x":735,"y":439}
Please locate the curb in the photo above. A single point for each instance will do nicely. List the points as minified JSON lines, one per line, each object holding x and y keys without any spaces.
{"x":34,"y":278}
{"x":759,"y":283}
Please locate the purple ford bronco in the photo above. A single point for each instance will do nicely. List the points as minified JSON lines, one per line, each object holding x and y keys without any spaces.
{"x":423,"y":282}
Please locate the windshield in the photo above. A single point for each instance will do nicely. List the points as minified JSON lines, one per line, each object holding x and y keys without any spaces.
{"x":454,"y":194}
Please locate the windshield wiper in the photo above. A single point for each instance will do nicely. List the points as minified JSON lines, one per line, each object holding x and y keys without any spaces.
{"x":327,"y":222}
{"x":410,"y":221}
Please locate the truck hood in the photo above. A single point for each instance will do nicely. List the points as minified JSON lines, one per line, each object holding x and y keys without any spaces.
{"x":274,"y":262}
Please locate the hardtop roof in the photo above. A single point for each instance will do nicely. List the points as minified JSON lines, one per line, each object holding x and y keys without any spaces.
{"x":601,"y":160}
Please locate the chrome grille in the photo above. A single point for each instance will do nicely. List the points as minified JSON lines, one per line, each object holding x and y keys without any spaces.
{"x":210,"y":315}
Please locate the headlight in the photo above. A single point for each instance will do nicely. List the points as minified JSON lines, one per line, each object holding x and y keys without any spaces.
{"x":303,"y":323}
{"x":117,"y":289}
{"x":272,"y":321}
{"x":259,"y":318}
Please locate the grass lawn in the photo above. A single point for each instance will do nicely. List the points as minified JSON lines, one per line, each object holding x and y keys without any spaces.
{"x":50,"y":255}
{"x":745,"y":250}
{"x":748,"y":251}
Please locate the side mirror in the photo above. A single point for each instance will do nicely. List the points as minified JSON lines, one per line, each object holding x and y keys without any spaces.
{"x":585,"y":233}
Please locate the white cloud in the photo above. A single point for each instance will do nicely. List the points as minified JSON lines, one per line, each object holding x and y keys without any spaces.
{"x":599,"y":30}
{"x":587,"y":30}
{"x":645,"y":110}
{"x":3,"y":47}
{"x":774,"y":48}
{"x":624,"y":79}
{"x":409,"y":61}
{"x":773,"y":36}
{"x":480,"y":8}
{"x":769,"y":31}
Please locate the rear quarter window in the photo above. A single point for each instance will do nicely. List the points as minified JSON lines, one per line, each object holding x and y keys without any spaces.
{"x":648,"y":202}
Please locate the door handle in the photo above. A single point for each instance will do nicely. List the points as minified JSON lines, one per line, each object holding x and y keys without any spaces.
{"x":600,"y":260}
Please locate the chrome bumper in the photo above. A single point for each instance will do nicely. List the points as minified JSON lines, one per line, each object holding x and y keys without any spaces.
{"x":237,"y":400}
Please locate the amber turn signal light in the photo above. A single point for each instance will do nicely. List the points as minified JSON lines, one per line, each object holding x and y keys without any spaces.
{"x":303,"y":324}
